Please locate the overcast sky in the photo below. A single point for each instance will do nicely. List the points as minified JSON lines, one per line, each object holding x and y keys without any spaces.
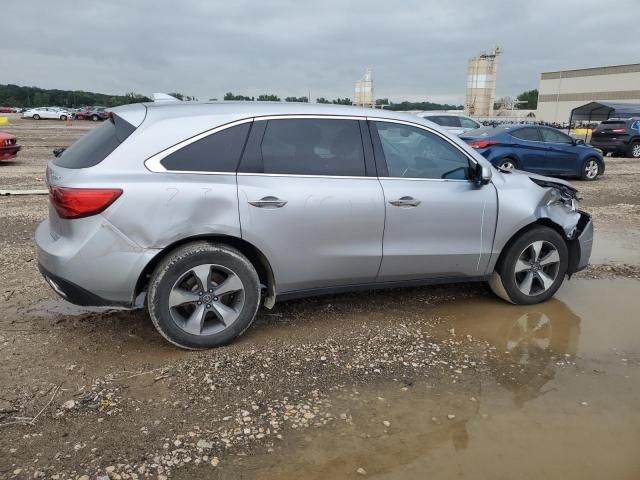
{"x":418,"y":49}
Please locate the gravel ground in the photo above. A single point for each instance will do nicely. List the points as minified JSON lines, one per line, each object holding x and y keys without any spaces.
{"x":93,"y":393}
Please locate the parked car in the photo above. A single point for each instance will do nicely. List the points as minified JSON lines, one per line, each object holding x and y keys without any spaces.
{"x":91,"y":113}
{"x":210,"y":209}
{"x":9,"y":147}
{"x":618,"y":135}
{"x":8,"y":110}
{"x":536,"y":149}
{"x":47,"y":113}
{"x":456,"y":124}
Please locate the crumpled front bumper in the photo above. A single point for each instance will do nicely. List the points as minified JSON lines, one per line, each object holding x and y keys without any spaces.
{"x":582,"y":244}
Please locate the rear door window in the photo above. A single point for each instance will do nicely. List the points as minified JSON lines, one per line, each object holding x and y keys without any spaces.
{"x":218,"y":152}
{"x":531,"y":134}
{"x":313,"y":147}
{"x":97,"y":145}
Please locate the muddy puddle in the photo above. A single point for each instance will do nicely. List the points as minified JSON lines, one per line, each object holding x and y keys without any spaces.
{"x":557,"y":397}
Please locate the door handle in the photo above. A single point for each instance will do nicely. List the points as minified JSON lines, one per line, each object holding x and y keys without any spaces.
{"x":405,"y":202}
{"x":268,"y":202}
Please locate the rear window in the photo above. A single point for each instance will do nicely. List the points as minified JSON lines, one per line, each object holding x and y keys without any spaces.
{"x":95,"y":146}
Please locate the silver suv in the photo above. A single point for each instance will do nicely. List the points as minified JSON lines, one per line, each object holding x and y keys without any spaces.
{"x":202,"y":212}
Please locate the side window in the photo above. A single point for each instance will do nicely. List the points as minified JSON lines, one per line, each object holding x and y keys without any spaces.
{"x":313,"y":147}
{"x":218,"y":152}
{"x":530,"y":134}
{"x":412,"y":152}
{"x":553,"y":136}
{"x":468,"y":123}
{"x":445,"y":120}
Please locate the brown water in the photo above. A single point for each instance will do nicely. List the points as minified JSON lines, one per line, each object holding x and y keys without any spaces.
{"x":559,"y":398}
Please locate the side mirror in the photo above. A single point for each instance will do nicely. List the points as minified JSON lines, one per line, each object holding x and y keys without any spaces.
{"x":483,"y":174}
{"x":578,"y":141}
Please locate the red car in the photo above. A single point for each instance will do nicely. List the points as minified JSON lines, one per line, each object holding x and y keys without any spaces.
{"x":9,"y":147}
{"x":8,"y":110}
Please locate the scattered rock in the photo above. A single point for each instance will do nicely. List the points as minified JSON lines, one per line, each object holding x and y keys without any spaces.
{"x":361,"y":471}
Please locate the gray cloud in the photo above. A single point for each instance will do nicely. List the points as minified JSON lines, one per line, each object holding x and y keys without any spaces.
{"x":418,"y":49}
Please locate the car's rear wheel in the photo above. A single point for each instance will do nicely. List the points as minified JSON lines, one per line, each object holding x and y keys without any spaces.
{"x":36,"y":117}
{"x":95,"y":118}
{"x":203,"y":295}
{"x":634,"y":150}
{"x":507,"y":164}
{"x":590,"y":169}
{"x":63,"y":118}
{"x":532,"y":268}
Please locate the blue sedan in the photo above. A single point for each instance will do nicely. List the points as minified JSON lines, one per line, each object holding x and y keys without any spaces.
{"x":537,"y":149}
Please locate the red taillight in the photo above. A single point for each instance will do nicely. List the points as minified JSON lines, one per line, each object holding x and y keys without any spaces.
{"x":482,"y":143}
{"x":619,"y":130}
{"x":82,"y":202}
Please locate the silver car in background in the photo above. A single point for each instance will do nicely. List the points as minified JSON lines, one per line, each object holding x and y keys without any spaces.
{"x":203,"y":212}
{"x":451,"y":122}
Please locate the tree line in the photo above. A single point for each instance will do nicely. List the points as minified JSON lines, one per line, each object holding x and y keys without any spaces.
{"x":17,"y":96}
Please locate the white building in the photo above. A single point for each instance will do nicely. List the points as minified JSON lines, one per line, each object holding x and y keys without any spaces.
{"x":561,"y":92}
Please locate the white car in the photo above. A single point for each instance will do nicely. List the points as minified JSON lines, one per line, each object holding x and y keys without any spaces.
{"x":47,"y":112}
{"x":451,"y":122}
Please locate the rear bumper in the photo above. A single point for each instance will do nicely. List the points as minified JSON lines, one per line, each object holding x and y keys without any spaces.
{"x":619,"y":146}
{"x":74,"y":293}
{"x":9,"y":152}
{"x":93,"y":265}
{"x":581,"y":245}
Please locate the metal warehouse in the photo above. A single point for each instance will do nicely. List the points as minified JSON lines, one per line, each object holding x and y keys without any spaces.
{"x":562,"y":91}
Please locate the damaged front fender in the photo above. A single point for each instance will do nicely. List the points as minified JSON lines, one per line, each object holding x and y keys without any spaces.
{"x":553,"y":204}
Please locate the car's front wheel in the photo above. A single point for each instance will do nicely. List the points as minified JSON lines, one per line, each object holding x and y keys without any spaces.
{"x":63,"y":118}
{"x":507,"y":164}
{"x":95,"y":118}
{"x":203,"y":295}
{"x":532,"y":268}
{"x":590,"y":169}
{"x":634,"y":150}
{"x":36,"y":117}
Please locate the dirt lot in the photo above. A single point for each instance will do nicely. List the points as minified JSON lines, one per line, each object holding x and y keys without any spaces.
{"x":435,"y":382}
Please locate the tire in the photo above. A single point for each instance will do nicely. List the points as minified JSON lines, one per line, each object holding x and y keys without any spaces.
{"x":590,"y":169}
{"x":510,"y":279}
{"x":189,"y":324}
{"x":634,"y":150}
{"x":508,"y":164}
{"x":36,"y":117}
{"x":63,"y":118}
{"x":95,"y":118}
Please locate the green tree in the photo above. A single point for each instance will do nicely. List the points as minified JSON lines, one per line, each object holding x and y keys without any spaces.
{"x":342,"y":101}
{"x":297,"y":99}
{"x":231,"y":96}
{"x":382,"y":101}
{"x":322,"y":100}
{"x":268,"y":97}
{"x":531,"y":97}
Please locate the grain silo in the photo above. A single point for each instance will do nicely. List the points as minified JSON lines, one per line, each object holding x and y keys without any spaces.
{"x":364,"y":91}
{"x":481,"y":84}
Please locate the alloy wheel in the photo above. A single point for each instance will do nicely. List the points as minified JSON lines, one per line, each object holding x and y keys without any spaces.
{"x":635,"y":151}
{"x":591,"y":169}
{"x":507,"y":165}
{"x":206,"y":299}
{"x":537,"y":268}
